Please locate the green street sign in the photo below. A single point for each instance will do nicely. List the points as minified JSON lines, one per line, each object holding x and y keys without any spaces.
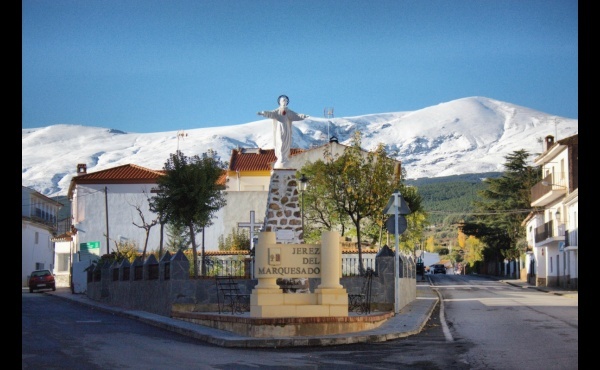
{"x":87,"y":247}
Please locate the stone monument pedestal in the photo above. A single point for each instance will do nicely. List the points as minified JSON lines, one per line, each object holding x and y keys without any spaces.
{"x":274,"y":260}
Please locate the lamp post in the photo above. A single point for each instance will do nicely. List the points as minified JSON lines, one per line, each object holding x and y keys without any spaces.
{"x":303,"y":183}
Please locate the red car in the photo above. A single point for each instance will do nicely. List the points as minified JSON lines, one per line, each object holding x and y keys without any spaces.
{"x":41,"y":279}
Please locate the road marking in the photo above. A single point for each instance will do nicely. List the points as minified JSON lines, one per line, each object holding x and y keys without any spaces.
{"x":445,"y":329}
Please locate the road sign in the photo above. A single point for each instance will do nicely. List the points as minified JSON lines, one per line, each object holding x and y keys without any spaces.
{"x":390,"y":224}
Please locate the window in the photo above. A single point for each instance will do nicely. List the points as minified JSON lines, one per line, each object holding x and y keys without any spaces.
{"x":39,"y":266}
{"x":37,"y":239}
{"x":79,"y":207}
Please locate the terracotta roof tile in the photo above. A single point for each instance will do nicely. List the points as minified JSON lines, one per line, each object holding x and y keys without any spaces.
{"x":221,"y":181}
{"x":255,"y":159}
{"x":128,"y":173}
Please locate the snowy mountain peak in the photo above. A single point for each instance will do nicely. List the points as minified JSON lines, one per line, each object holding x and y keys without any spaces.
{"x":468,"y":135}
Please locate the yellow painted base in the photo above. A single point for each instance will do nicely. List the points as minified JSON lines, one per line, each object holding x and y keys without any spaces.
{"x":274,"y":303}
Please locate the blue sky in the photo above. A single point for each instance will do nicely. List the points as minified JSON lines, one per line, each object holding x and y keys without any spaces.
{"x":159,"y":65}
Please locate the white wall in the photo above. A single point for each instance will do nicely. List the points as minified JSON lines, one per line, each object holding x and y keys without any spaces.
{"x":32,"y":252}
{"x":430,"y":258}
{"x":62,"y":262}
{"x":121,"y":199}
{"x":239,"y":205}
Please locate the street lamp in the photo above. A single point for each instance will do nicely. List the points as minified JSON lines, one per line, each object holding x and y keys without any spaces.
{"x":303,"y":183}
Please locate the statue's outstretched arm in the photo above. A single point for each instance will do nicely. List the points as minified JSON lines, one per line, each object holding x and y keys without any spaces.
{"x":293,"y":116}
{"x":267,"y":114}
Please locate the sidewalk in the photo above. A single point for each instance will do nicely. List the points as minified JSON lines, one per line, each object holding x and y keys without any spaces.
{"x":552,"y":290}
{"x":410,"y":321}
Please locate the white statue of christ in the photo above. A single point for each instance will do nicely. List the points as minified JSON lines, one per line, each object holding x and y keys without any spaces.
{"x":282,"y":129}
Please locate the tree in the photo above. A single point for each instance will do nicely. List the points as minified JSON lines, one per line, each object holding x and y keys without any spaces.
{"x":124,"y":249}
{"x":188,"y":194}
{"x":502,"y":206}
{"x":145,"y":225}
{"x":237,"y":240}
{"x":350,"y":189}
{"x":178,"y":237}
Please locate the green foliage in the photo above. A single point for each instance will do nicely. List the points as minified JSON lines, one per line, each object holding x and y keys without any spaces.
{"x":124,"y":251}
{"x":448,"y":200}
{"x":188,"y":194}
{"x":178,"y":237}
{"x":237,"y":240}
{"x":502,"y":206}
{"x":352,"y":189}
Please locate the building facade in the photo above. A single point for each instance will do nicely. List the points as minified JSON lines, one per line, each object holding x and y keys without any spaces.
{"x":552,"y":230}
{"x":106,"y":207}
{"x":39,"y":220}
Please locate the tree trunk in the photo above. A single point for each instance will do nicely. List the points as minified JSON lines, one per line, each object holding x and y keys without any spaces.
{"x":203,"y":262}
{"x":361,"y":268}
{"x":145,"y":245}
{"x":160,"y":244}
{"x":194,"y":249}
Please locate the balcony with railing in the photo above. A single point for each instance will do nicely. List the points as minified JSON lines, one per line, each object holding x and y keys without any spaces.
{"x":549,"y":232}
{"x":547,"y":191}
{"x":571,"y":238}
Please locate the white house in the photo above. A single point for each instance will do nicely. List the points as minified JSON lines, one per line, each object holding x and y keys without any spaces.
{"x":104,"y":209}
{"x":552,"y":233}
{"x":38,"y":225}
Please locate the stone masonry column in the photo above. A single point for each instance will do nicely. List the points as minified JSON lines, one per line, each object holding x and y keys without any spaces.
{"x":283,"y":215}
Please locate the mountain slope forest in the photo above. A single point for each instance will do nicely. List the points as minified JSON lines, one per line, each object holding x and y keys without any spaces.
{"x":447,"y":200}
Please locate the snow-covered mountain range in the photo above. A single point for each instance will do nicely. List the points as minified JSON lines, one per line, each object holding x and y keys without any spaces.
{"x":468,"y":135}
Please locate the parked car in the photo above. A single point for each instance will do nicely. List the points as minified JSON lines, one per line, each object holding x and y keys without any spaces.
{"x":438,"y":269}
{"x":41,"y":279}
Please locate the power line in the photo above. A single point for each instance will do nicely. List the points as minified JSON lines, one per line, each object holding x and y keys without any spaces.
{"x":516,"y":211}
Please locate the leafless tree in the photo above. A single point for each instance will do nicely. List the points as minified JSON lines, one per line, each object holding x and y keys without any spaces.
{"x":144,"y":225}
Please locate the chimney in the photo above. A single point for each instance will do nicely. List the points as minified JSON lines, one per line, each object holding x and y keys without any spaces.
{"x":81,"y":169}
{"x":548,"y":142}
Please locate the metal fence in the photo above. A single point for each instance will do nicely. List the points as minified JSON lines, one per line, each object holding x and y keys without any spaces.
{"x":350,"y":265}
{"x":226,"y":267}
{"x":242,"y":268}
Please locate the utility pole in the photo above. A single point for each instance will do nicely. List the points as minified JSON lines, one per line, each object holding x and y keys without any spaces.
{"x":106,"y":207}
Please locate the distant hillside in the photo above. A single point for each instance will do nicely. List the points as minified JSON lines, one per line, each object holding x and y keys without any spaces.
{"x":447,"y":198}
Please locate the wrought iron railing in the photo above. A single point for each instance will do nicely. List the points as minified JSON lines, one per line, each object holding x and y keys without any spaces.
{"x":571,"y":238}
{"x":241,"y":268}
{"x":544,"y":231}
